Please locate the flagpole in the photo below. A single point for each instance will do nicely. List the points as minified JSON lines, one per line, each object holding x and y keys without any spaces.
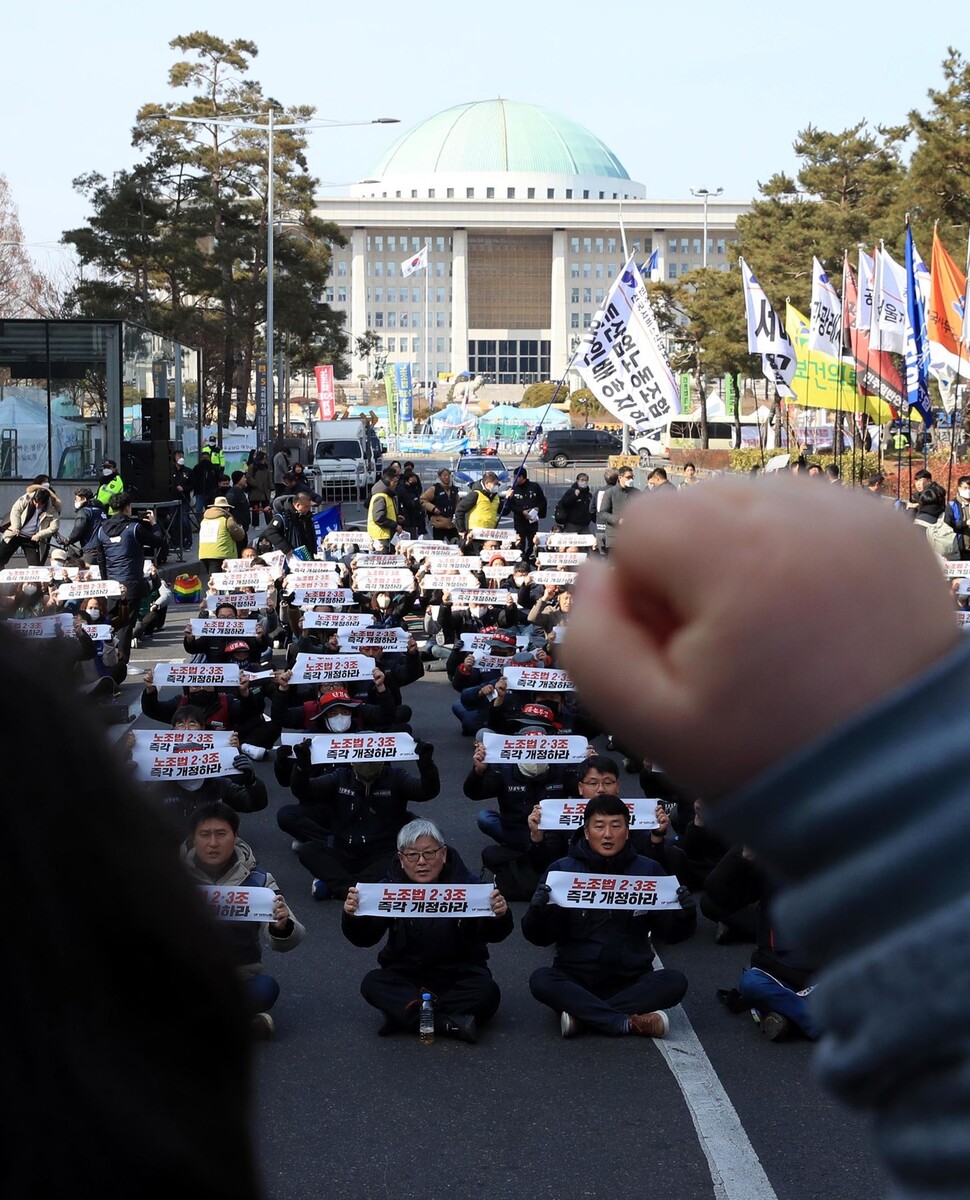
{"x":837,"y":448}
{"x":427,"y":334}
{"x":865,"y":375}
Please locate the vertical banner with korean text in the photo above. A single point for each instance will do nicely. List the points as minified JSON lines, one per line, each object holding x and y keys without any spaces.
{"x":326,"y":397}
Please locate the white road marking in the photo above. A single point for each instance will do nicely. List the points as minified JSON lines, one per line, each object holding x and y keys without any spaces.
{"x":736,"y":1170}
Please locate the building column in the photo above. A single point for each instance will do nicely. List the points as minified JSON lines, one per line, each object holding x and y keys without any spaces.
{"x":459,"y":300}
{"x":358,"y":299}
{"x":559,"y":345}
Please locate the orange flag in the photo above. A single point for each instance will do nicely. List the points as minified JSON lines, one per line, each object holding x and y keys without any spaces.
{"x":944,"y":315}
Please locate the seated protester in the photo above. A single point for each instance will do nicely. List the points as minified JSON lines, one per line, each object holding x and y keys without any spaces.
{"x":257,"y":732}
{"x":217,"y":857}
{"x":454,"y":620}
{"x":398,"y":670}
{"x":441,"y":955}
{"x":214,"y":649}
{"x":388,"y":611}
{"x":551,"y":609}
{"x":477,"y":688}
{"x":348,"y":819}
{"x":602,"y":975}
{"x":180,"y":799}
{"x":657,"y":785}
{"x":779,"y":979}
{"x":334,"y":711}
{"x":105,"y":661}
{"x":507,"y":710}
{"x":153,"y":608}
{"x":219,"y":709}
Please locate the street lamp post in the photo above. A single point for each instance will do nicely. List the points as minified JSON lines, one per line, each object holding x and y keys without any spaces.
{"x":265,"y":421}
{"x":705,"y":194}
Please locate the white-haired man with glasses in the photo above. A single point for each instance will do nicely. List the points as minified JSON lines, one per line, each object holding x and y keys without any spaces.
{"x":445,"y":956}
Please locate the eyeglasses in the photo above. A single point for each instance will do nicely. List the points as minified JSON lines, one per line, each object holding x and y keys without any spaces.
{"x":413,"y":856}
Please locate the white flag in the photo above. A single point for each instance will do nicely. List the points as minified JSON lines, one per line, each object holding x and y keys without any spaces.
{"x":889,"y":304}
{"x":863,"y":308}
{"x":417,"y":262}
{"x":767,"y":335}
{"x":622,"y":359}
{"x":825,"y":325}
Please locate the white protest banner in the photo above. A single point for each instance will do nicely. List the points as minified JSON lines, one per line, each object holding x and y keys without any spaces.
{"x":312,"y":583}
{"x":239,"y":902}
{"x":386,"y":639}
{"x":424,"y":900}
{"x":495,"y":535}
{"x":331,"y":668}
{"x":61,"y":624}
{"x":336,"y":620}
{"x":223,"y":627}
{"x":497,"y":574}
{"x":92,"y":587}
{"x":307,"y":597}
{"x":538,"y":679}
{"x":168,"y":741}
{"x":622,"y":359}
{"x":25,"y":575}
{"x":182,"y":674}
{"x":346,"y":537}
{"x":570,"y":539}
{"x":533,"y":747}
{"x":554,"y":578}
{"x":444,"y":582}
{"x":379,"y":560}
{"x":511,"y":554}
{"x":240,"y":601}
{"x":613,"y":891}
{"x":313,"y":566}
{"x":562,"y":558}
{"x":486,"y":597}
{"x":93,"y":571}
{"x":485,"y":661}
{"x":825,"y":324}
{"x":767,"y":336}
{"x":421,"y":549}
{"x":483,"y":641}
{"x":233,"y":581}
{"x":356,"y":747}
{"x":375,"y":579}
{"x":963,"y":620}
{"x":568,"y":814}
{"x":182,"y":763}
{"x":955,"y":570}
{"x":98,"y":633}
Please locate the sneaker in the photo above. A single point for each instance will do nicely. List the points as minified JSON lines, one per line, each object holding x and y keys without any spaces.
{"x":569,"y":1026}
{"x":654,"y":1024}
{"x":319,"y":890}
{"x":774,"y":1026}
{"x":256,"y":753}
{"x":263,"y":1027}
{"x":461,"y":1026}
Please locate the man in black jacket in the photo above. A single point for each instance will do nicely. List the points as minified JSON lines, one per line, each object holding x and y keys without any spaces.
{"x":603,"y":975}
{"x":204,"y":476}
{"x":615,"y":499}
{"x":122,"y":543}
{"x":577,"y":506}
{"x":363,"y":807}
{"x":293,"y":526}
{"x":88,"y":515}
{"x":527,"y":502}
{"x":443,"y":955}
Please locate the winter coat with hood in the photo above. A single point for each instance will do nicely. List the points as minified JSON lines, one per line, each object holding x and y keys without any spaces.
{"x":22,"y":510}
{"x":243,"y":937}
{"x":451,"y":942}
{"x":122,"y":542}
{"x":595,"y":943}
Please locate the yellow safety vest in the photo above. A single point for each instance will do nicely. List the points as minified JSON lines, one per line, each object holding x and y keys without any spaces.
{"x":374,"y":531}
{"x":107,"y":490}
{"x":485,"y":513}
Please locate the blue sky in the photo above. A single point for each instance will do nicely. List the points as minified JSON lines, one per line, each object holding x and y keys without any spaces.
{"x":690,"y":94}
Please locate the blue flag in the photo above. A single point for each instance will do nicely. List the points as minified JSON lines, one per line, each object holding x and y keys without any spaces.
{"x":651,"y":265}
{"x":917,"y":338}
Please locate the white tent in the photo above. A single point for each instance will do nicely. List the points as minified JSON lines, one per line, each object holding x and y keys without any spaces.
{"x":24,"y":433}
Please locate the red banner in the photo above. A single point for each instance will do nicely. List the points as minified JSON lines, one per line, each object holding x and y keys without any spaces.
{"x":326,"y":398}
{"x":876,"y":373}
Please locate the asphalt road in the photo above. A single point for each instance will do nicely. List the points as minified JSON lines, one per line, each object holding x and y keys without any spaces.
{"x":340,"y":1112}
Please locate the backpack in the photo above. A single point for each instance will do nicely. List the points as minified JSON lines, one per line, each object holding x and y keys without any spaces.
{"x":943,"y":539}
{"x":187,"y":589}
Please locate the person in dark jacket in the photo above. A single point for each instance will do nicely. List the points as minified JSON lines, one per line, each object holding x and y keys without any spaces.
{"x":121,"y":547}
{"x":527,"y":503}
{"x":603,"y":976}
{"x":615,"y":499}
{"x":408,"y":497}
{"x":439,"y":502}
{"x":203,"y":479}
{"x":182,"y":483}
{"x":576,"y":508}
{"x":445,"y":956}
{"x":238,"y":496}
{"x":83,"y":534}
{"x":292,"y":527}
{"x":362,"y":808}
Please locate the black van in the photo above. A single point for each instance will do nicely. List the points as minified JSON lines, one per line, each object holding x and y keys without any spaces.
{"x":563,"y":446}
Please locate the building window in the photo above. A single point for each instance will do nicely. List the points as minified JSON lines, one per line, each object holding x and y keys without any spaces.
{"x":574,"y":270}
{"x":414,"y":193}
{"x":569,"y":193}
{"x":574,"y":296}
{"x":587,"y":270}
{"x":599,"y":295}
{"x":370,"y":320}
{"x":574,"y":245}
{"x":585,"y":193}
{"x":379,"y":243}
{"x":367,"y":241}
{"x":441,"y":320}
{"x":391,"y":242}
{"x":450,"y":193}
{"x":397,"y":195}
{"x":672,"y":245}
{"x":439,"y":345}
{"x":415,"y":243}
{"x":531,"y":193}
{"x":469,"y":193}
{"x":684,"y":245}
{"x":587,"y":320}
{"x":379,"y":269}
{"x":341,"y":269}
{"x":611,"y":245}
{"x":379,"y":295}
{"x":439,"y":245}
{"x":392,"y":295}
{"x":602,"y":194}
{"x":391,"y":345}
{"x":685,"y":268}
{"x":599,"y":271}
{"x":415,"y":345}
{"x":341,"y":295}
{"x":430,"y":193}
{"x":379,"y":320}
{"x":574,"y":320}
{"x":696,"y":245}
{"x":587,"y":295}
{"x":648,"y":245}
{"x":510,"y":193}
{"x":672,"y":271}
{"x":392,"y":320}
{"x":587,"y":245}
{"x":550,"y":193}
{"x":404,"y":320}
{"x":328,"y":295}
{"x":720,"y":245}
{"x":439,"y":295}
{"x":439,"y":270}
{"x":392,"y":267}
{"x":490,"y":193}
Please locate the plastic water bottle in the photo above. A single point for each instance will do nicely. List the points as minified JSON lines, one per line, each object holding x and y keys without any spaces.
{"x":426,"y":1028}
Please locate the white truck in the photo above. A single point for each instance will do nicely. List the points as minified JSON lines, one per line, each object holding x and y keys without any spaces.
{"x":341,"y":456}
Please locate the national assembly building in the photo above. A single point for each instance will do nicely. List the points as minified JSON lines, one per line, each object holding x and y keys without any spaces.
{"x":524,"y":214}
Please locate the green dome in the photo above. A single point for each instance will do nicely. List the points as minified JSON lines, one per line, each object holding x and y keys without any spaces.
{"x":499,"y":136}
